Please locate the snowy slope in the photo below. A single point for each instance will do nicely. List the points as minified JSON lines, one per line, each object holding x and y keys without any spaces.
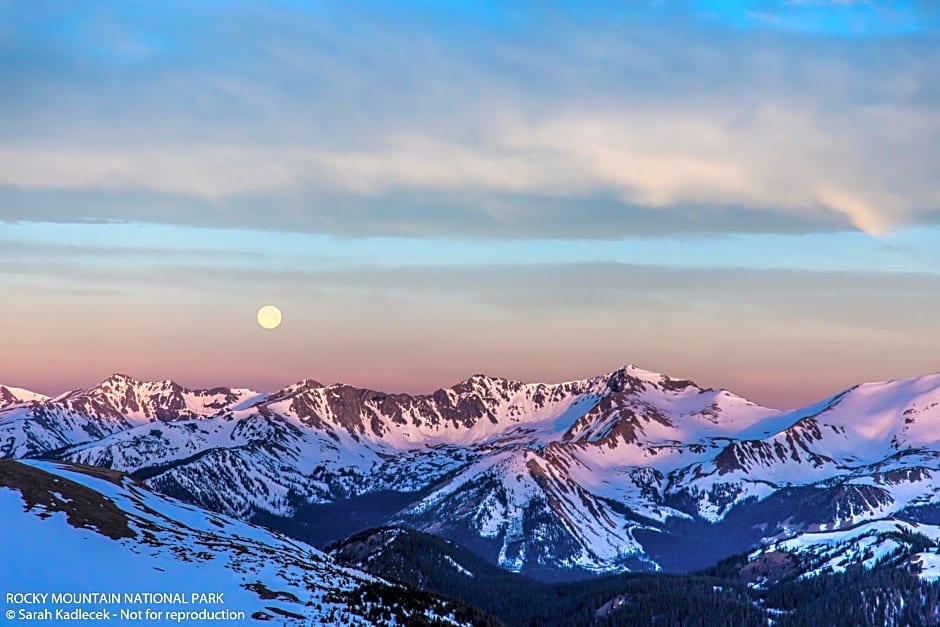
{"x":885,"y":435}
{"x":866,"y":544}
{"x":532,"y":512}
{"x":16,"y":396}
{"x":85,"y":530}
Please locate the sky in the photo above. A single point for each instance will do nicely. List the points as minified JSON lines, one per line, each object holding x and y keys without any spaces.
{"x":746,"y":194}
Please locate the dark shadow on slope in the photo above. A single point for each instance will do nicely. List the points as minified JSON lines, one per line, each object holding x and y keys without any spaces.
{"x":687,"y":545}
{"x":434,"y":564}
{"x":322,"y":524}
{"x":891,"y":593}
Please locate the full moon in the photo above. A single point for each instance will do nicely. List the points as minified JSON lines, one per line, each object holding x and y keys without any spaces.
{"x":269,"y":317}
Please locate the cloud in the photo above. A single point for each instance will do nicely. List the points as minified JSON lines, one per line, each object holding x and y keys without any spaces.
{"x":483,"y":120}
{"x":884,"y":298}
{"x":410,"y":213}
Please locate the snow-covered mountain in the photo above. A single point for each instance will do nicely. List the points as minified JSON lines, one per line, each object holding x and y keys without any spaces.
{"x":17,"y":396}
{"x":31,"y":424}
{"x":91,"y":531}
{"x":628,"y":470}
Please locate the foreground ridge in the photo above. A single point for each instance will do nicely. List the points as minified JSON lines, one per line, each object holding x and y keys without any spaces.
{"x":168,"y":556}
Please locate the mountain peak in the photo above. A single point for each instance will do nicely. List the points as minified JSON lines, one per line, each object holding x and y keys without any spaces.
{"x":119,"y":378}
{"x":486,"y":384}
{"x":14,"y":396}
{"x":635,"y":374}
{"x":481,"y":377}
{"x":121,"y":381}
{"x":304,"y":385}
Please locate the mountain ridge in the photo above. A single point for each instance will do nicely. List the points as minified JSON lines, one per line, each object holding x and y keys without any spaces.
{"x":122,"y":377}
{"x":26,"y":395}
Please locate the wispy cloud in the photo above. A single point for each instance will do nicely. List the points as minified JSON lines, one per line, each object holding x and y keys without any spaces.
{"x":496,"y":114}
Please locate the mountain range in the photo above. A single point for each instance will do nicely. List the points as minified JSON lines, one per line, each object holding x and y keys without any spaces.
{"x":626,"y":471}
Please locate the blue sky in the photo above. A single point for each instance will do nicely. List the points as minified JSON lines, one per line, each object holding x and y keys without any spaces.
{"x":746,"y":193}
